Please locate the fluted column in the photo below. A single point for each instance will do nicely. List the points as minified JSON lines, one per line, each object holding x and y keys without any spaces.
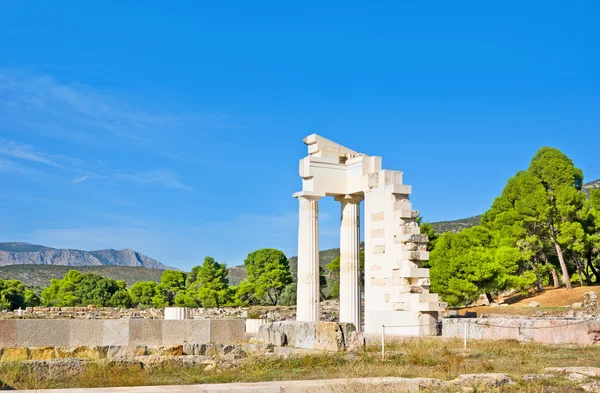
{"x":350,"y":260}
{"x":307,"y":305}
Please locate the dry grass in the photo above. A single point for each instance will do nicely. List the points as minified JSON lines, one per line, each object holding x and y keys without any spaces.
{"x":417,"y":358}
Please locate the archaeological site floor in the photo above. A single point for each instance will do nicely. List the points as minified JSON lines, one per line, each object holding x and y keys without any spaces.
{"x":508,"y":365}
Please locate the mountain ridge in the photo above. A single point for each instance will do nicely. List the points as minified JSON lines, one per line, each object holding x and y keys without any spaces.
{"x":19,"y":253}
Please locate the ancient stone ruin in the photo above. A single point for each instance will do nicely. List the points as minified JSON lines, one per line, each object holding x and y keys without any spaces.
{"x":396,"y":286}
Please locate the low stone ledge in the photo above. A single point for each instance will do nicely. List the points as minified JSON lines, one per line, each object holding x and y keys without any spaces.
{"x":538,"y":330}
{"x":323,"y":336}
{"x":121,"y":352}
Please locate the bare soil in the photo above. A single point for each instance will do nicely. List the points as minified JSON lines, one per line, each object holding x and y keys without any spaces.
{"x":551,"y":300}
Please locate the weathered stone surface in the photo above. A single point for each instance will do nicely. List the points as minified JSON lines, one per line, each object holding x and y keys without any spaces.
{"x":8,"y":333}
{"x":42,"y":353}
{"x":175,"y":350}
{"x":535,"y":377}
{"x":590,"y":304}
{"x":15,"y":354}
{"x":593,"y":387}
{"x":85,"y":333}
{"x":119,"y":352}
{"x":227,"y":331}
{"x":145,"y":332}
{"x":541,"y":330}
{"x":198,"y":331}
{"x":81,"y":352}
{"x":34,"y":333}
{"x":491,"y":380}
{"x":236,"y":354}
{"x":175,"y":332}
{"x":64,"y":367}
{"x":306,"y":334}
{"x":329,"y":337}
{"x":115,"y":333}
{"x":587,"y":371}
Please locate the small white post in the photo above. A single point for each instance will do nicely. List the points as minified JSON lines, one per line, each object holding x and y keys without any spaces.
{"x":466,"y":333}
{"x":382,"y":342}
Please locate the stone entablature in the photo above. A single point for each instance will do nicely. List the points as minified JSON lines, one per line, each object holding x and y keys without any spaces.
{"x":396,"y":285}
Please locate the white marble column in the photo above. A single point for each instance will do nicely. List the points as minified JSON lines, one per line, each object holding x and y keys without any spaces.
{"x":350,"y":260}
{"x":307,"y":308}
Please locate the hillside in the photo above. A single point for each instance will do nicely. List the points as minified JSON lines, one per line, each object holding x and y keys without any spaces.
{"x":32,"y":254}
{"x":455,"y":225}
{"x":590,"y":185}
{"x":40,"y":275}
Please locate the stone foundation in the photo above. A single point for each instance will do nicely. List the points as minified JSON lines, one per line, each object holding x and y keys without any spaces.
{"x":117,"y":352}
{"x":323,"y":336}
{"x":539,"y":330}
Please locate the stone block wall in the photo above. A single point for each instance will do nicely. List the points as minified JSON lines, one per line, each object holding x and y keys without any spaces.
{"x":322,"y":336}
{"x":539,"y":330}
{"x":119,"y":332}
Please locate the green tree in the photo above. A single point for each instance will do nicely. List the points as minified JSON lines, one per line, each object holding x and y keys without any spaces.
{"x":32,"y":299}
{"x":95,"y":289}
{"x":465,"y":265}
{"x":211,"y":285}
{"x":268,"y":275}
{"x":171,"y":282}
{"x":289,"y":294}
{"x":562,"y":182}
{"x":334,"y":277}
{"x":61,"y":293}
{"x":143,"y":292}
{"x":121,"y":298}
{"x":518,"y":217}
{"x":12,"y":294}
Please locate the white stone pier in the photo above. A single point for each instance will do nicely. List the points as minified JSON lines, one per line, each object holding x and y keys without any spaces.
{"x":350,"y":259}
{"x":308,"y":257}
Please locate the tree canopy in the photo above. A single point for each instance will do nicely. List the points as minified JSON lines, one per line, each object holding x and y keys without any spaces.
{"x":268,"y":274}
{"x":540,"y":223}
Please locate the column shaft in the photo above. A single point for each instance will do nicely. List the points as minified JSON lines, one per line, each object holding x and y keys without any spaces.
{"x":308,"y":260}
{"x":350,"y":302}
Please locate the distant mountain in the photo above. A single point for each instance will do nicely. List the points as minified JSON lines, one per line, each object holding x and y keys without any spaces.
{"x":455,"y":225}
{"x":590,"y":185}
{"x":40,"y":275}
{"x":31,"y":254}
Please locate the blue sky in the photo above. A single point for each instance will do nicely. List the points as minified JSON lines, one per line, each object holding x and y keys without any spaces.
{"x":175,"y":128}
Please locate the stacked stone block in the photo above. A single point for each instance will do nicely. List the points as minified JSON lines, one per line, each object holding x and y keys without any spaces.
{"x":396,"y":285}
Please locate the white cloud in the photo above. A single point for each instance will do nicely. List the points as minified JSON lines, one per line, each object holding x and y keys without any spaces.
{"x":80,"y":179}
{"x":25,"y":152}
{"x":40,"y":104}
{"x":159,"y":177}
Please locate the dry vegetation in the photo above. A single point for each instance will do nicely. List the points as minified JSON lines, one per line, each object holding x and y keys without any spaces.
{"x":552,"y":301}
{"x":419,"y":358}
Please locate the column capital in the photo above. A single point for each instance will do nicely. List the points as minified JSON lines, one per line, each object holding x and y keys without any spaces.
{"x":310,"y":195}
{"x":350,"y":198}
